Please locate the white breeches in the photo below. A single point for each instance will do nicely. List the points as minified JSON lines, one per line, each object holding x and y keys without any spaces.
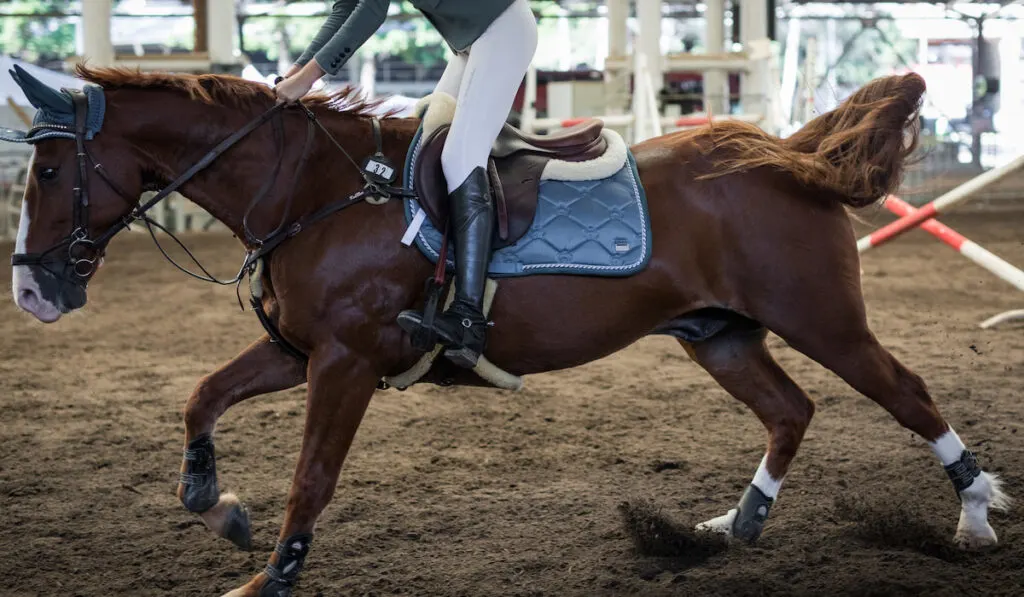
{"x":484,"y":80}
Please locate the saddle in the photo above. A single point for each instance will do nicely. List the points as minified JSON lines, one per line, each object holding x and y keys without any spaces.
{"x":515,"y":167}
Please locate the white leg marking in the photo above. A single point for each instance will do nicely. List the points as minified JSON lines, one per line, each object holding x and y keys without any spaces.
{"x":973,"y":531}
{"x":764,"y":481}
{"x":948,"y":447}
{"x":720,"y":524}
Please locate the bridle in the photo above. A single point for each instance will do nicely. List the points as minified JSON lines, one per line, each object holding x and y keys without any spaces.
{"x":83,"y":252}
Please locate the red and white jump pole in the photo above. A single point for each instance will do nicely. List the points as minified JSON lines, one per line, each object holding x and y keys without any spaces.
{"x":968,"y":249}
{"x":940,"y":205}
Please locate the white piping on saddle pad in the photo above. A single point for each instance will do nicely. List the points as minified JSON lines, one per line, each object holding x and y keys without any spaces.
{"x":438,"y":109}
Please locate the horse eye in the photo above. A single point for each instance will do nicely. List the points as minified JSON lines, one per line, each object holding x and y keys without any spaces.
{"x":47,"y":174}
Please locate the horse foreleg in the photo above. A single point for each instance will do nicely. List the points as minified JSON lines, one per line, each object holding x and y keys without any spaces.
{"x":341,"y":384}
{"x":741,"y":364}
{"x":259,"y":369}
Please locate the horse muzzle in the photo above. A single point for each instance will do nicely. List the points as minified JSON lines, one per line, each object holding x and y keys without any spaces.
{"x":44,"y":294}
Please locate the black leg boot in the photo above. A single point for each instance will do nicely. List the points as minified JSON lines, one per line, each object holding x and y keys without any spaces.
{"x":463,"y":327}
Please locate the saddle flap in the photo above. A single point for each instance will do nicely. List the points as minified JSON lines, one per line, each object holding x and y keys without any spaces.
{"x":514,"y":204}
{"x":431,"y":187}
{"x":515,"y":169}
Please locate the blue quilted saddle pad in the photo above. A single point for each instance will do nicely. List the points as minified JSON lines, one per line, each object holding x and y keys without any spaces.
{"x":593,"y":228}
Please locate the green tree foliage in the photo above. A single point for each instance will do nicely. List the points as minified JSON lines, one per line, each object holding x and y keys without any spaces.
{"x":871,"y":56}
{"x":37,"y":38}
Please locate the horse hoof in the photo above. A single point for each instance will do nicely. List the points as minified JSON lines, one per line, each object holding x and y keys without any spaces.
{"x":237,"y":528}
{"x":230,"y":519}
{"x":973,"y":541}
{"x":721,"y":525}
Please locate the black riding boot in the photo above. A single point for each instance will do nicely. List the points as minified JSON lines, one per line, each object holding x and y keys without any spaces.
{"x":463,"y":327}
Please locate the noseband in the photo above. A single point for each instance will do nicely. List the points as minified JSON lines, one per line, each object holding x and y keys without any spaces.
{"x":83,"y":252}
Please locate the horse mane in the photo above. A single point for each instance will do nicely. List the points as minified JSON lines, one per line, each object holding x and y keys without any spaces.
{"x":857,"y":151}
{"x":224,"y":90}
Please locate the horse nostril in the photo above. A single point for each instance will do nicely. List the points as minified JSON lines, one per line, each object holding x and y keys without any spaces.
{"x":28,"y":298}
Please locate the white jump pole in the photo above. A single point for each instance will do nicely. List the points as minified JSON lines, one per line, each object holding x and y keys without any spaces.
{"x":940,"y":205}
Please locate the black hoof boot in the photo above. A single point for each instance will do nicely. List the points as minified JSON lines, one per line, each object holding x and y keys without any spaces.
{"x":753,"y":512}
{"x":199,"y":481}
{"x":282,"y":574}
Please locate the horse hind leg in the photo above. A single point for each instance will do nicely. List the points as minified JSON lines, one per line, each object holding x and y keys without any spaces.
{"x":740,"y":362}
{"x":259,"y":369}
{"x":846,"y":346}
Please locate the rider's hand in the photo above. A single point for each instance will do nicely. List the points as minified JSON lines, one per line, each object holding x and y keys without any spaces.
{"x":298,"y":81}
{"x":292,"y":89}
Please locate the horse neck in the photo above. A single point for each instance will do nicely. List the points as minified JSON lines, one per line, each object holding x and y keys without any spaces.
{"x":169,"y":145}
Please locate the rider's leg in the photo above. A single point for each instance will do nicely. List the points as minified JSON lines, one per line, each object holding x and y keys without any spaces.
{"x":451,"y":79}
{"x":494,"y":69}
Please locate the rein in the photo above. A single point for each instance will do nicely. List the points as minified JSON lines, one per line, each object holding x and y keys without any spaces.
{"x":83,"y":252}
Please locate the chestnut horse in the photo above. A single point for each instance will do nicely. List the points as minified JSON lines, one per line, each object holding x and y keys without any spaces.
{"x":750,"y":234}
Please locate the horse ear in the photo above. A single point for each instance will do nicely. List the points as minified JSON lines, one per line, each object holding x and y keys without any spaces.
{"x":41,"y":95}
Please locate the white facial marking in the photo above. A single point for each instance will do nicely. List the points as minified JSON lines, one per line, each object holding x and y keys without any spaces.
{"x":26,"y":291}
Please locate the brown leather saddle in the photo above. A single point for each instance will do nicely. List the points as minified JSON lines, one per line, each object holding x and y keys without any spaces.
{"x":515,"y":167}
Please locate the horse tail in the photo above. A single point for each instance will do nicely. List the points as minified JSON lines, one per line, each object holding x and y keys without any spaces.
{"x":856,"y":152}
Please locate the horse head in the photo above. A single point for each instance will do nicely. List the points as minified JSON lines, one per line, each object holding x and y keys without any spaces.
{"x":65,"y":208}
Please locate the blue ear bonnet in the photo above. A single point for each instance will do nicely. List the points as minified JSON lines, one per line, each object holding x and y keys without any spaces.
{"x":55,"y":115}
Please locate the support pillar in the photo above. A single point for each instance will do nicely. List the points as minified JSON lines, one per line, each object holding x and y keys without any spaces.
{"x":648,"y":41}
{"x":753,"y":28}
{"x":222,"y":25}
{"x":96,"y":47}
{"x":716,"y":82}
{"x":616,"y":69}
{"x":1011,"y":88}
